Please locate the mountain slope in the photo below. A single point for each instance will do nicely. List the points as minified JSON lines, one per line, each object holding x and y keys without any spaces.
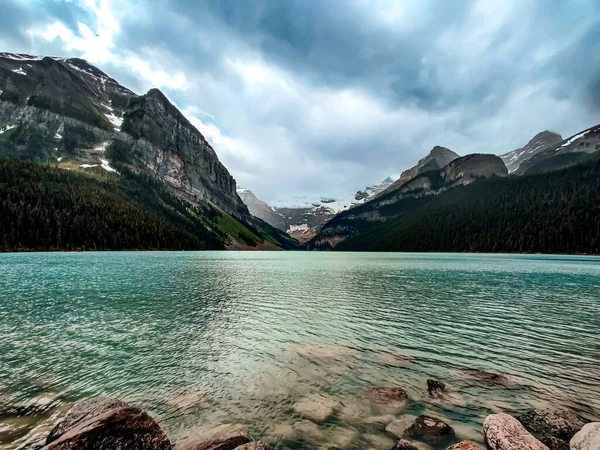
{"x":538,"y":143}
{"x":68,"y":113}
{"x":556,"y":212}
{"x":459,"y":172}
{"x":260,"y":209}
{"x":585,"y":142}
{"x":437,"y":158}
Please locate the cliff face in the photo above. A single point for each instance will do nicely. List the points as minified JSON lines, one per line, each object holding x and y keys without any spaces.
{"x":179,"y":154}
{"x":260,"y":209}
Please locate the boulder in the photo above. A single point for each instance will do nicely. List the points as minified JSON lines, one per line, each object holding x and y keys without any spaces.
{"x":464,"y":445}
{"x":316,"y":407}
{"x":431,"y":430}
{"x":255,"y":446}
{"x":436,"y":388}
{"x":553,"y":426}
{"x":103,"y":423}
{"x":588,"y":438}
{"x":504,"y":432}
{"x":403,"y":444}
{"x":224,"y":443}
{"x":83,"y":412}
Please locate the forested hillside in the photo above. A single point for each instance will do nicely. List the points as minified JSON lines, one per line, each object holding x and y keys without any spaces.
{"x":46,"y":208}
{"x":555,"y":212}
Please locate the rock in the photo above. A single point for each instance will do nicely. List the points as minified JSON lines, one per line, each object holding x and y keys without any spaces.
{"x":103,"y":423}
{"x":552,"y":425}
{"x":387,"y":394}
{"x":436,"y":388}
{"x":588,"y":438}
{"x":316,"y":407}
{"x":378,"y":441}
{"x":225,"y":443}
{"x":403,"y":444}
{"x":221,"y":437}
{"x":283,"y":432}
{"x":342,"y":437}
{"x":255,"y":446}
{"x":504,"y":432}
{"x":380,"y":421}
{"x":308,"y":430}
{"x":82,"y":412}
{"x":431,"y":430}
{"x":489,"y":379}
{"x":464,"y":445}
{"x":32,"y":407}
{"x":398,"y":427}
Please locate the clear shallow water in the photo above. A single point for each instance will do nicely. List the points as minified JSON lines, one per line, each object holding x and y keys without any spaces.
{"x":201,"y":339}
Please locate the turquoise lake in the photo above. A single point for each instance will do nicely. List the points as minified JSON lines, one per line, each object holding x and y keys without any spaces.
{"x":201,"y":339}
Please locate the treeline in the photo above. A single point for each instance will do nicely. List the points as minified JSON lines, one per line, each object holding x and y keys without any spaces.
{"x":556,"y":212}
{"x":45,"y":208}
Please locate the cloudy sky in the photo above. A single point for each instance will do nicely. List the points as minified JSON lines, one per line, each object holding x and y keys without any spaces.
{"x":310,"y":98}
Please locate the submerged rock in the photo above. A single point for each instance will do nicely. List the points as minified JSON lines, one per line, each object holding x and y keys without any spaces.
{"x":283,"y":432}
{"x":308,"y":430}
{"x":103,"y":423}
{"x":378,"y":442}
{"x":464,"y":445}
{"x":316,"y":407}
{"x":403,"y":444}
{"x":379,"y":421}
{"x":342,"y":437}
{"x":221,"y":437}
{"x":33,"y":407}
{"x":553,"y":426}
{"x":431,"y":430}
{"x":258,"y":445}
{"x":386,"y":394}
{"x":399,"y":427}
{"x":436,"y":389}
{"x":504,"y":432}
{"x":489,"y":379}
{"x":588,"y":438}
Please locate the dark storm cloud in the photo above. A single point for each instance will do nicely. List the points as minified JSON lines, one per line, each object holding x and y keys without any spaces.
{"x":321,"y":97}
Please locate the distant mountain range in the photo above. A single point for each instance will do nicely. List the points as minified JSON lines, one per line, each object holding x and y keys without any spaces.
{"x":471,"y":204}
{"x":85,"y":163}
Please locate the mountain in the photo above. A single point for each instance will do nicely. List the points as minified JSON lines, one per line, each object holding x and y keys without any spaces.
{"x":260,"y":209}
{"x":540,"y":142}
{"x":304,"y":222}
{"x":553,"y":212}
{"x":371,"y":191}
{"x":459,"y":172}
{"x":437,"y":158}
{"x":564,"y":153}
{"x":68,"y":114}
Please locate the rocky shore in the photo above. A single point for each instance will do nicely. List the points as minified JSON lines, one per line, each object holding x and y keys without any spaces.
{"x":107,"y":423}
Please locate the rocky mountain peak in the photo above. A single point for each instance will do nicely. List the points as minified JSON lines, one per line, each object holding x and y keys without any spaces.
{"x":537,"y":144}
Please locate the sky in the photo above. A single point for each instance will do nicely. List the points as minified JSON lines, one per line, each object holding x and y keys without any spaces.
{"x":304,"y":99}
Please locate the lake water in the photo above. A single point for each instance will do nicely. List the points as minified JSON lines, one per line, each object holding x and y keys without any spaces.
{"x":205,"y":338}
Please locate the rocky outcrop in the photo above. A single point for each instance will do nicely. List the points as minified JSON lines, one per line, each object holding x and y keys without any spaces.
{"x":538,"y":143}
{"x":504,"y":432}
{"x":588,"y":438}
{"x":107,"y":423}
{"x":554,"y":427}
{"x":260,"y":209}
{"x":431,"y":430}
